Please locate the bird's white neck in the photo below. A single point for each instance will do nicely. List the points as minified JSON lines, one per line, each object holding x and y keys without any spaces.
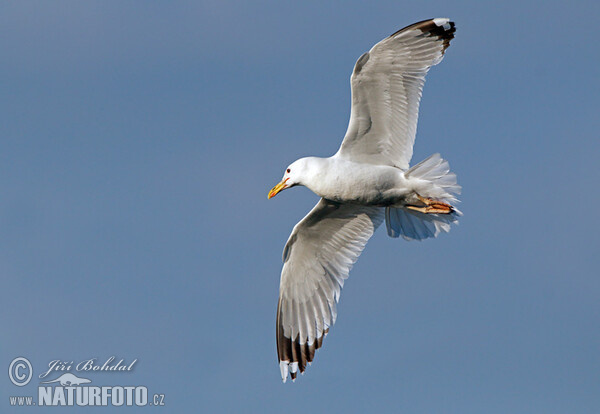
{"x":316,"y":171}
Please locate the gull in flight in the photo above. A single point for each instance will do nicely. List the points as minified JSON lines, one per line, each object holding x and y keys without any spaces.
{"x":367,"y":181}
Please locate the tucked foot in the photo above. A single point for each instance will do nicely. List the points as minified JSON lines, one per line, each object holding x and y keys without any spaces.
{"x":432,"y":206}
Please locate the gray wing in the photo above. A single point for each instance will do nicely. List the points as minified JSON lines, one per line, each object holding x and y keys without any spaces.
{"x":317,"y":259}
{"x":386,"y":89}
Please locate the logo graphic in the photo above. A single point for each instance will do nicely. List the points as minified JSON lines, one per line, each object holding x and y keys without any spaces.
{"x":69,"y":380}
{"x":69,"y":390}
{"x":15,"y":373}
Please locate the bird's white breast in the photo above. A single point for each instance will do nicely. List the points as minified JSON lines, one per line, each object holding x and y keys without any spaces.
{"x":351,"y":182}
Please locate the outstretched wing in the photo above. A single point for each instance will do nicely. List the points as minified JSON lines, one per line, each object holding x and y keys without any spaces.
{"x":386,"y":89}
{"x":317,"y":259}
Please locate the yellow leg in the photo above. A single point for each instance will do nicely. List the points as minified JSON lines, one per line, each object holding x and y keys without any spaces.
{"x":432,"y":206}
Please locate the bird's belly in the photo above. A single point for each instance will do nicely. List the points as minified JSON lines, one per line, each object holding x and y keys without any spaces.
{"x":379,"y":186}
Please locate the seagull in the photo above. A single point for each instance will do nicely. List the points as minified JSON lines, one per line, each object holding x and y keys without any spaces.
{"x":368,"y":180}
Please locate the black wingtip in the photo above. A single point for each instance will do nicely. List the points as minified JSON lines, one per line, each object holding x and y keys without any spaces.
{"x":442,"y":28}
{"x":292,"y":350}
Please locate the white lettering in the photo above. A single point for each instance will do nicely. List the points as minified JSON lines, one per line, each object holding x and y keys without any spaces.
{"x":56,"y":365}
{"x":117,"y":396}
{"x":83,"y":397}
{"x":70,"y":391}
{"x":91,"y":396}
{"x":94,"y":395}
{"x":105,"y":395}
{"x":85,"y":365}
{"x":45,"y":395}
{"x":141,"y":396}
{"x":59,"y":396}
{"x":129,"y":391}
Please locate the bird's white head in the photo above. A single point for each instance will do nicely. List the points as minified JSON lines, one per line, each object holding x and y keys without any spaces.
{"x":292,"y":176}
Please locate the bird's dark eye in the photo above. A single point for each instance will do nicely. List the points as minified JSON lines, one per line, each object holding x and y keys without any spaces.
{"x":288,"y":170}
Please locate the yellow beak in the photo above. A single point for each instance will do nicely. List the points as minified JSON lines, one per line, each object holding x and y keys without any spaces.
{"x":278,"y":188}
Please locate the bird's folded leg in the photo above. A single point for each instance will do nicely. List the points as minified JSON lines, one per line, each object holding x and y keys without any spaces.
{"x":431,"y":206}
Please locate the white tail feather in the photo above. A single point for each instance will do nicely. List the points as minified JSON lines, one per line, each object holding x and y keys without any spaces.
{"x":435,"y":181}
{"x":436,"y":171}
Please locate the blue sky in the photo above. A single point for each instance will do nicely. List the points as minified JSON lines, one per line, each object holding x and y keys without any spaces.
{"x":138,"y":141}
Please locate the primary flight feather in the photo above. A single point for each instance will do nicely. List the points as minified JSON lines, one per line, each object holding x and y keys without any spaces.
{"x":366,"y":182}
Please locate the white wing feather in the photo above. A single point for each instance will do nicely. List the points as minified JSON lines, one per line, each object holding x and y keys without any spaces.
{"x":317,"y":259}
{"x":386,"y":90}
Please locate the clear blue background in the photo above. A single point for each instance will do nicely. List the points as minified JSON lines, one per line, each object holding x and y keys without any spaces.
{"x":138,"y":141}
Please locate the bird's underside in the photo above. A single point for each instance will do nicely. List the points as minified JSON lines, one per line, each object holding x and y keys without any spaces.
{"x":386,"y":88}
